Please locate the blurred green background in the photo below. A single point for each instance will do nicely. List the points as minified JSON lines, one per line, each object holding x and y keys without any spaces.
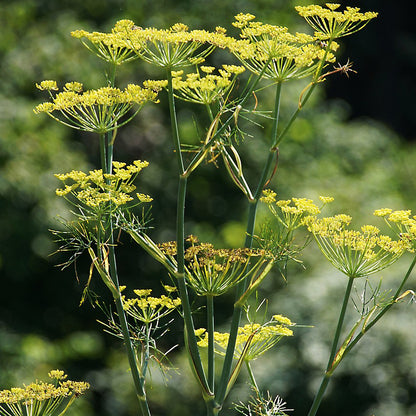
{"x":355,"y":141}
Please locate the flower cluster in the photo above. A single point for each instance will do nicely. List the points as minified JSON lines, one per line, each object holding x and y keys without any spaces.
{"x":96,"y":111}
{"x":208,"y":88}
{"x":253,"y":340}
{"x":40,"y":398}
{"x":212,"y":272}
{"x":291,"y":213}
{"x":329,"y":23}
{"x":403,"y":223}
{"x":146,"y":308}
{"x":111,"y":47}
{"x":275,"y":53}
{"x":177,"y":46}
{"x":354,"y":253}
{"x":97,"y":189}
{"x":167,"y":48}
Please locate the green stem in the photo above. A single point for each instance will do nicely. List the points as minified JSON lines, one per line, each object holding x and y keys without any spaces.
{"x":174,"y":124}
{"x":209,"y":111}
{"x":106,"y":150}
{"x":235,"y":322}
{"x":146,"y":355}
{"x":211,"y":352}
{"x":106,"y":153}
{"x":325,"y":380}
{"x":252,"y":378}
{"x":137,"y":378}
{"x":103,"y":153}
{"x":180,"y":241}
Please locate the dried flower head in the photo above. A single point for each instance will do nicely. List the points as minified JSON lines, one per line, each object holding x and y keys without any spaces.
{"x":212,"y":272}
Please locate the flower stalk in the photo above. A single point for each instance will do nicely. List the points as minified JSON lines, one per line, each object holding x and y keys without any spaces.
{"x":195,"y":358}
{"x":326,"y":378}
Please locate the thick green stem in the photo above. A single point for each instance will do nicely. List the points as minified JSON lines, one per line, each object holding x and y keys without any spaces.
{"x":211,"y":352}
{"x":103,"y":153}
{"x":326,"y":378}
{"x":174,"y":124}
{"x":180,"y":241}
{"x":241,"y":287}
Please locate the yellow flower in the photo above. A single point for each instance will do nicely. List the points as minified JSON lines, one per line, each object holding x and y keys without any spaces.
{"x":402,"y":223}
{"x":329,"y":23}
{"x":290,"y":213}
{"x":146,"y":308}
{"x":142,"y":292}
{"x":98,"y":111}
{"x":111,"y":47}
{"x":354,"y":253}
{"x":283,"y":320}
{"x":274,"y":52}
{"x":253,"y":339}
{"x":212,"y":272}
{"x":268,"y":197}
{"x":199,"y":332}
{"x":95,"y":189}
{"x":400,"y":216}
{"x":208,"y":88}
{"x":57,"y":375}
{"x":47,"y":85}
{"x":326,"y":199}
{"x":40,"y":398}
{"x":167,"y":48}
{"x":383,"y":212}
{"x":73,"y":86}
{"x":170,"y":289}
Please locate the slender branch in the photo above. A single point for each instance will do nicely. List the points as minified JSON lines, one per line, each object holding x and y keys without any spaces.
{"x":106,"y":151}
{"x":137,"y":378}
{"x":326,"y":378}
{"x":252,"y":378}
